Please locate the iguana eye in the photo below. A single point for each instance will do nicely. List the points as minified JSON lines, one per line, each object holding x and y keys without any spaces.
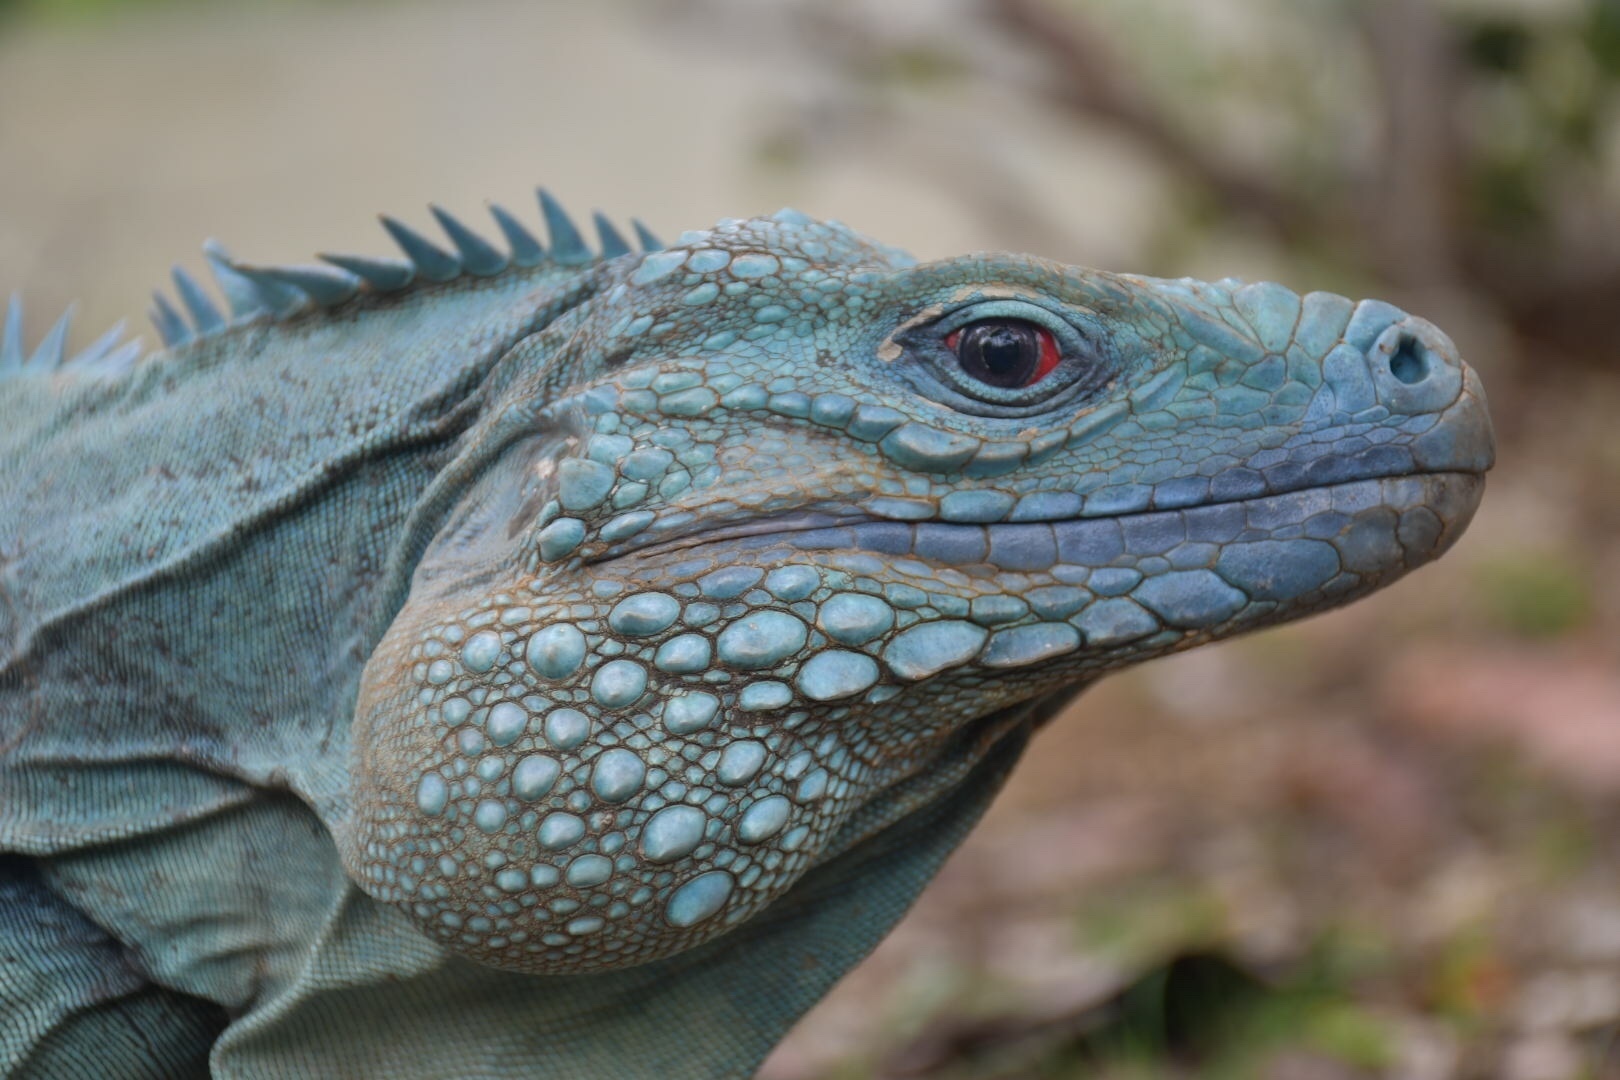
{"x":1008,"y":354}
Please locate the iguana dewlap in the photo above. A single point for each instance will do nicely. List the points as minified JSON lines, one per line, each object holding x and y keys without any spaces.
{"x":522,"y":661}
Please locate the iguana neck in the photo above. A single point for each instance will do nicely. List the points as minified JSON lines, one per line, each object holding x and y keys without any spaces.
{"x":320,"y":437}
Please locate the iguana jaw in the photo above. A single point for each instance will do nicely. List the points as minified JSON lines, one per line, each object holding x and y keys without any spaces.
{"x":1291,"y":554}
{"x":1143,"y":584}
{"x":1040,"y":545}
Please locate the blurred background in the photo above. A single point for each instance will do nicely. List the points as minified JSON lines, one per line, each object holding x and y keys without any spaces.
{"x":1380,"y":843}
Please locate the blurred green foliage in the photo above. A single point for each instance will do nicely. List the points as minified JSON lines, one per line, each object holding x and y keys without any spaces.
{"x":1149,"y":919}
{"x":1195,"y":1013}
{"x":70,"y":11}
{"x":1468,"y":982}
{"x":1536,"y":595}
{"x":73,"y":9}
{"x":1549,"y":90}
{"x":1201,"y":1015}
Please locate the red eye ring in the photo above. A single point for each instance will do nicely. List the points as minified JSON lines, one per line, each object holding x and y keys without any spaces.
{"x":1007,"y":354}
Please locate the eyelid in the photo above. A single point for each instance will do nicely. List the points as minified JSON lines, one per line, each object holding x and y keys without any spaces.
{"x":1007,"y":309}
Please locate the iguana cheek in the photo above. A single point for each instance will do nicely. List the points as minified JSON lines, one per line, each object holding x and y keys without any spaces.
{"x":602,"y":781}
{"x":624,"y":772}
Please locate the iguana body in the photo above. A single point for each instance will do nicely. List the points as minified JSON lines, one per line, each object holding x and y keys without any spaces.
{"x":568,"y":665}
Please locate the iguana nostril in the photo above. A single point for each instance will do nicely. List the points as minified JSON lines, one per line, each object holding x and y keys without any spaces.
{"x":1410,"y":361}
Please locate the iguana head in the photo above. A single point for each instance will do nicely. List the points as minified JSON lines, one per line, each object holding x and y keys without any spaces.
{"x":770,"y":535}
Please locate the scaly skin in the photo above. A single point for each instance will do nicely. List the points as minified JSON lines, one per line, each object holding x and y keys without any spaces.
{"x":687,"y":605}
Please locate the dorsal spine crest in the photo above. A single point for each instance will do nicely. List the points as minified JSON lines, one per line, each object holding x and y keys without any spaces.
{"x":253,"y":292}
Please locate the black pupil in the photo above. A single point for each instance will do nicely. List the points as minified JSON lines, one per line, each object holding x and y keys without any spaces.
{"x":1001,"y":354}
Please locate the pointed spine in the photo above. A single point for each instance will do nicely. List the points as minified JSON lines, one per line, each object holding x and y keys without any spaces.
{"x":645,"y":236}
{"x":120,"y":359}
{"x":11,"y":345}
{"x":526,"y":250}
{"x":381,"y":275}
{"x":281,"y":296}
{"x":242,"y":295}
{"x":204,"y":315}
{"x":170,"y":326}
{"x":99,"y":349}
{"x":52,"y":347}
{"x":613,"y":244}
{"x":567,"y":246}
{"x":478,"y":256}
{"x":327,"y":286}
{"x":432,"y":262}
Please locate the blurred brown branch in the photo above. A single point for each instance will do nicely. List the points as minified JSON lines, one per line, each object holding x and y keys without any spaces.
{"x":1406,"y":219}
{"x":1088,"y":81}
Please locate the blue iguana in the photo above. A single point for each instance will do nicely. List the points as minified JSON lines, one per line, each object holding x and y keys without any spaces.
{"x":528,"y":660}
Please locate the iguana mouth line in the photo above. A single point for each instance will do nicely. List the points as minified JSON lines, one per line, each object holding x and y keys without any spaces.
{"x":1031,"y":545}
